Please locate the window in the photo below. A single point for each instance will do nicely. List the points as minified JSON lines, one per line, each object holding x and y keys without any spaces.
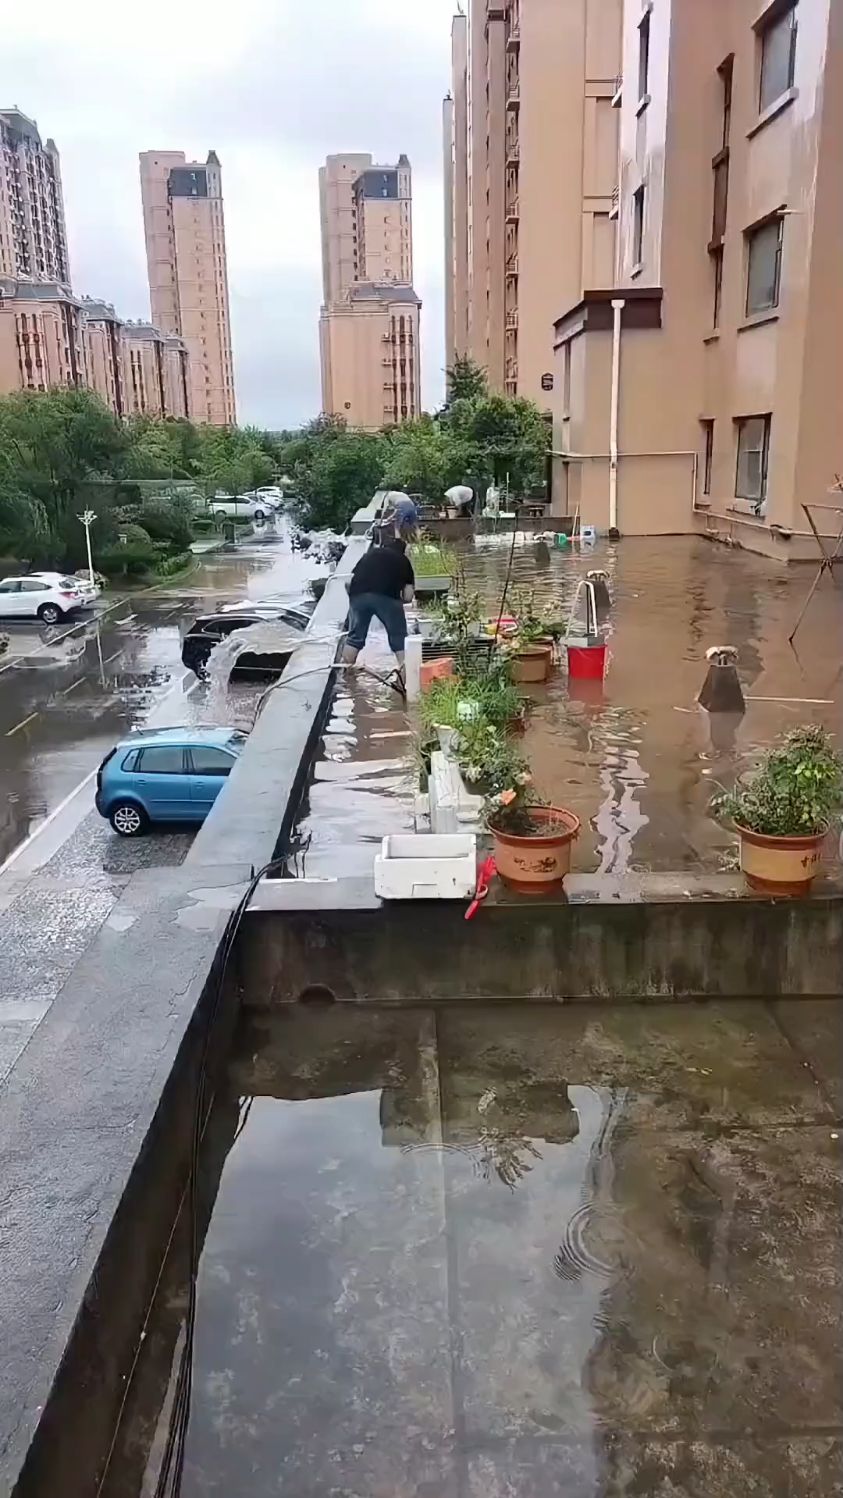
{"x":643,"y":55}
{"x":131,"y":761}
{"x":210,"y":761}
{"x":721,"y":198}
{"x":764,"y":264}
{"x":753,"y":455}
{"x":725,"y":72}
{"x":567,"y":355}
{"x":638,"y":226}
{"x":717,"y":285}
{"x":166,"y":760}
{"x":778,"y":58}
{"x":707,"y":428}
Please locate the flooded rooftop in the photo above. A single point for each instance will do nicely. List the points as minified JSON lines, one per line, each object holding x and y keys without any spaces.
{"x":512,"y":1253}
{"x":635,"y":758}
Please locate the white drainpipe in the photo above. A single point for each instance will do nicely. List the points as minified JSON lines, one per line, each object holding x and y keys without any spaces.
{"x":618,"y":304}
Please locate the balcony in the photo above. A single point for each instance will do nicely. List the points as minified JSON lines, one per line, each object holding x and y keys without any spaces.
{"x":615,"y":208}
{"x":513,"y":96}
{"x":512,"y":266}
{"x":513,"y":41}
{"x":512,"y":212}
{"x":513,"y":153}
{"x":512,"y":321}
{"x":617,"y":96}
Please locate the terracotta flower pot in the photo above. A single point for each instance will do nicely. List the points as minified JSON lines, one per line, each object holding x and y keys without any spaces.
{"x":537,"y":865}
{"x":780,"y":865}
{"x":530,"y":664}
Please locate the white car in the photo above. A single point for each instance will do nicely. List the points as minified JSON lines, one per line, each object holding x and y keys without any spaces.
{"x":34,"y":598}
{"x":240,"y":507}
{"x":89,"y":591}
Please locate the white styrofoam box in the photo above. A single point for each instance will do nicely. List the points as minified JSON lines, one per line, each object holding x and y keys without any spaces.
{"x":451,"y":802}
{"x":424,"y":866}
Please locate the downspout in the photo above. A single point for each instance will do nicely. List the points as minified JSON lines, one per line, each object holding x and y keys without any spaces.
{"x":618,"y":304}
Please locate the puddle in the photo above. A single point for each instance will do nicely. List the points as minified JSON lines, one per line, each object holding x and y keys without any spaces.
{"x":512,"y":1252}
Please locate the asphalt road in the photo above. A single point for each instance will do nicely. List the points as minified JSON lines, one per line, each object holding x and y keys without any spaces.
{"x":67,"y":694}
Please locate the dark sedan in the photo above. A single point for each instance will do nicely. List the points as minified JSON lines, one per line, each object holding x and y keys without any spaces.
{"x":208,"y":631}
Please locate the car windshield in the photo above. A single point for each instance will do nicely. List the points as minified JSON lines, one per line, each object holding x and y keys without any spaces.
{"x":69,"y":582}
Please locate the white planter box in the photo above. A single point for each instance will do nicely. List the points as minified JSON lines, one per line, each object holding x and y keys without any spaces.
{"x":424,"y":866}
{"x":438,"y":582}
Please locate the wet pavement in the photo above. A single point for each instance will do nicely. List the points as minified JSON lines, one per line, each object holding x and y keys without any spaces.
{"x":516,"y":1252}
{"x":66,"y":696}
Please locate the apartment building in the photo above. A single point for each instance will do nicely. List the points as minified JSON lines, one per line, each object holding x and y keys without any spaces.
{"x":455,"y":165}
{"x":155,"y":371}
{"x":184,"y":228}
{"x":369,"y":327}
{"x":103,"y":335}
{"x":708,"y":384}
{"x":33,"y":236}
{"x":534,"y":167}
{"x":42,"y":336}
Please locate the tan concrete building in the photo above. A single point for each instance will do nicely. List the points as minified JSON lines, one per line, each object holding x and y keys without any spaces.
{"x":155,"y":371}
{"x":705,"y":390}
{"x":103,"y":334}
{"x":534,"y":169}
{"x":369,"y":328}
{"x":184,"y":227}
{"x":369,"y":345}
{"x":33,"y":236}
{"x":42,"y":336}
{"x":455,"y":147}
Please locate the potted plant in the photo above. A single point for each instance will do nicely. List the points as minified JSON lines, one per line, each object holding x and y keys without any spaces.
{"x":532,"y":841}
{"x":529,"y":644}
{"x":782,"y":813}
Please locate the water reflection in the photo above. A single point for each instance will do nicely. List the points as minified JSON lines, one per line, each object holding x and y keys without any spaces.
{"x":506,"y":1252}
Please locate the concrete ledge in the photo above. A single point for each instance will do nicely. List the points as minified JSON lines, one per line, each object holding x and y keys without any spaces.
{"x":607,"y":950}
{"x":95,"y":1127}
{"x":253,"y":817}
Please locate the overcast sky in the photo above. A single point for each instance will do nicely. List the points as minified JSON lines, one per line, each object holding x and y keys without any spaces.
{"x":273,"y":86}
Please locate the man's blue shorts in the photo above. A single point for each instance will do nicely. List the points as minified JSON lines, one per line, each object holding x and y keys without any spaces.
{"x":365,"y":607}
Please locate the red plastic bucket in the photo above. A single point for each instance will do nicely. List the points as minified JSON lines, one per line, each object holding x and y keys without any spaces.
{"x":586,"y":662}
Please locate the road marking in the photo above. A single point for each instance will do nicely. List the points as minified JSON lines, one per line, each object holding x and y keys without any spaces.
{"x":72,"y":688}
{"x":22,"y":724}
{"x":110,"y":658}
{"x":56,"y":812}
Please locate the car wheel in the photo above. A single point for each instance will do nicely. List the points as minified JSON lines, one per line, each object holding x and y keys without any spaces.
{"x":128,"y":819}
{"x":50,"y":613}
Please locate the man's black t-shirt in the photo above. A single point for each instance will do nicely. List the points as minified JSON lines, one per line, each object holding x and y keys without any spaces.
{"x":385,"y":570}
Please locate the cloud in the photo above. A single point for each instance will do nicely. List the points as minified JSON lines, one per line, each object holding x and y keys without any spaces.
{"x":273,"y":86}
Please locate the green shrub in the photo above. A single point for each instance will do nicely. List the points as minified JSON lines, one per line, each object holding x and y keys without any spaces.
{"x":132,"y":559}
{"x":168,"y":566}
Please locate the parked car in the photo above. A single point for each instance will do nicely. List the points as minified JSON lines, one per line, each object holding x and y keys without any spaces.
{"x":169,"y":775}
{"x":239,"y":507}
{"x":35,"y":598}
{"x":211,"y":628}
{"x":297,"y":615}
{"x":88,"y":590}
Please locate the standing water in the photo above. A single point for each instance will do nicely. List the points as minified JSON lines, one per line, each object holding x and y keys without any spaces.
{"x":268,"y":638}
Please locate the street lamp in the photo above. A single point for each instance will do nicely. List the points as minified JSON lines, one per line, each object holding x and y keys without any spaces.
{"x":87,"y":519}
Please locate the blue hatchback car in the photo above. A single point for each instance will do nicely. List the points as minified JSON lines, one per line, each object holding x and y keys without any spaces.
{"x":166,"y":775}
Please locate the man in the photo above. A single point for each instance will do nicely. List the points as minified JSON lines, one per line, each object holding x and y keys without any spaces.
{"x":381,"y":583}
{"x":461,"y":498}
{"x":400,"y":512}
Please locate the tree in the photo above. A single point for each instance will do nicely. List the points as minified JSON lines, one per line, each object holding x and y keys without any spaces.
{"x":425,"y":457}
{"x":507,"y":437}
{"x":339,"y":474}
{"x":466,"y":379}
{"x":51,"y":444}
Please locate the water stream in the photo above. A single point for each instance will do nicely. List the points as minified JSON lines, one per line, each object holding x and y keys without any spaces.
{"x":269,"y":637}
